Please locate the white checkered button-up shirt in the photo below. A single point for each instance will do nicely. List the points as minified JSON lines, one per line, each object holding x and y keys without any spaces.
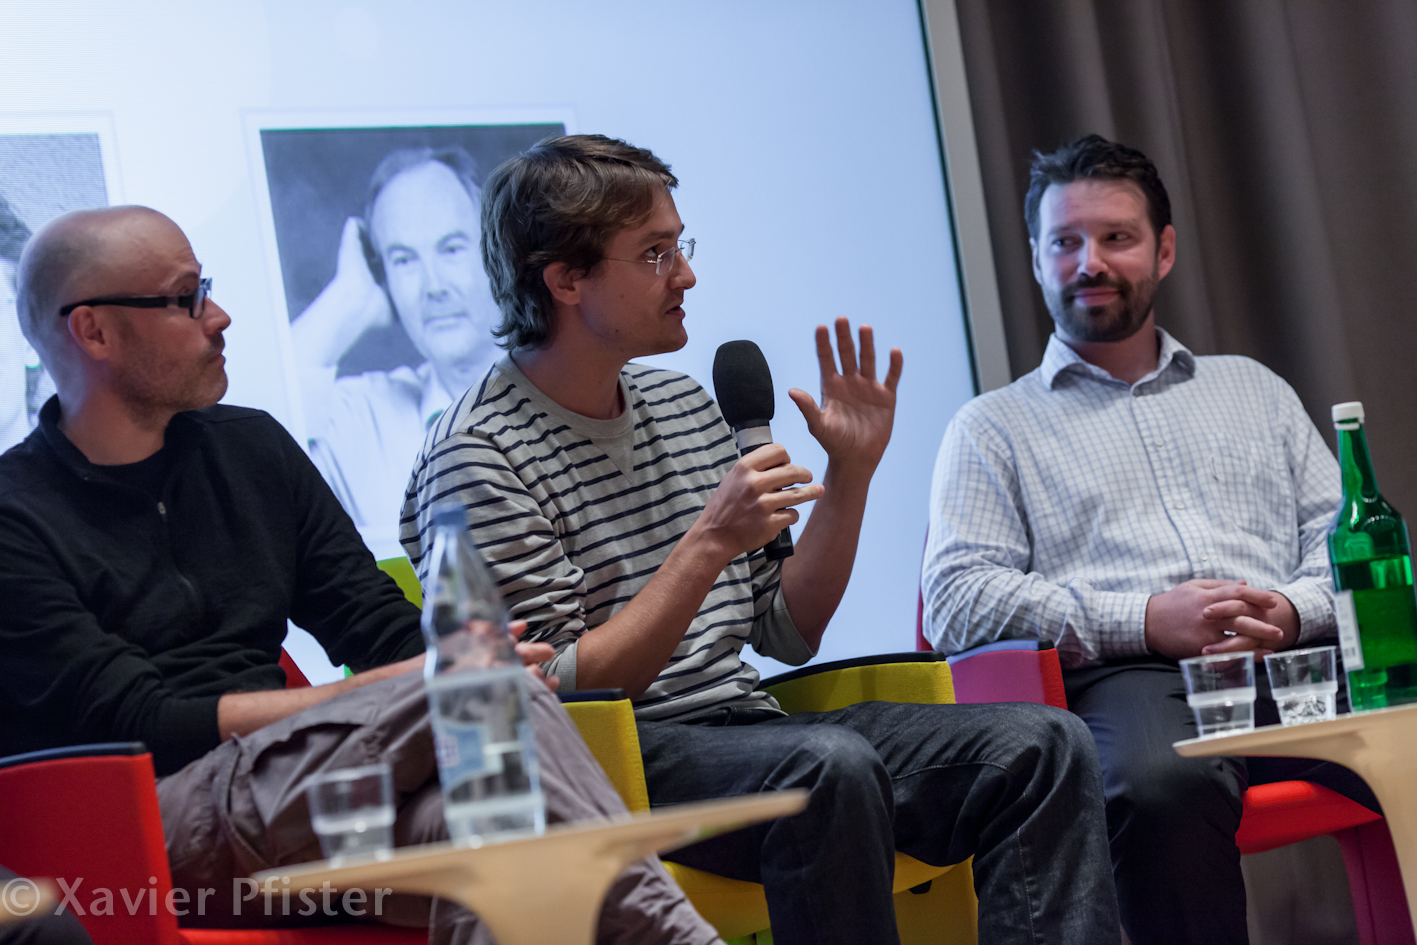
{"x":1062,"y":502}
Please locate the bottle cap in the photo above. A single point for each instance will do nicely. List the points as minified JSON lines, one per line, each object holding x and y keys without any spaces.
{"x":1348,"y":412}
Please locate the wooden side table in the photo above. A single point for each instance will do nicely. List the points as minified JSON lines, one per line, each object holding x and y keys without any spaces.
{"x":1380,"y":746}
{"x":544,"y":890}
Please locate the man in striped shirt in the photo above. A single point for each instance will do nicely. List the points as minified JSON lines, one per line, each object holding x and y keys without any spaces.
{"x":620,"y":522}
{"x":1137,"y":505}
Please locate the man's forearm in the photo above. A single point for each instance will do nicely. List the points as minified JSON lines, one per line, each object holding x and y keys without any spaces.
{"x":751,"y":504}
{"x":815,"y":577}
{"x":630,"y":650}
{"x":241,"y":713}
{"x":970,"y":600}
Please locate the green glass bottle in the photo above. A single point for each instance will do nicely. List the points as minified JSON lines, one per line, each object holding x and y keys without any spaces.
{"x":1371,"y":557}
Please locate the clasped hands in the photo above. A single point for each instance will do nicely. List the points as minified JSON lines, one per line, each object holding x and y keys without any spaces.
{"x":1205,"y":617}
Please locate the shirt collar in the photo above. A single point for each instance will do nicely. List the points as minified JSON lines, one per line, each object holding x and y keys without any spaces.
{"x":1058,"y":358}
{"x":182,"y":431}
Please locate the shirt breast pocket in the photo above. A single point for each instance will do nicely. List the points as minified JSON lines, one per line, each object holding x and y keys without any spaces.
{"x":1243,"y":493}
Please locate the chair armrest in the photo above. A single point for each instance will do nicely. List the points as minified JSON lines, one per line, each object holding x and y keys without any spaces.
{"x":97,"y":750}
{"x":592,"y":695}
{"x":891,"y":677}
{"x":1284,"y":812}
{"x":294,"y":677}
{"x":606,"y":721}
{"x":1010,"y":671}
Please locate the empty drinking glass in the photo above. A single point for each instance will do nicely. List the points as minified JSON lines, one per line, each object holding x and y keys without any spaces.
{"x":352,"y":811}
{"x":1221,"y":691}
{"x":1304,"y":683}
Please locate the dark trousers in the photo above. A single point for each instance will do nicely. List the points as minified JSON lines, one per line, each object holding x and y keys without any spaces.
{"x":1172,"y":820}
{"x":42,"y":930}
{"x":1014,"y":786}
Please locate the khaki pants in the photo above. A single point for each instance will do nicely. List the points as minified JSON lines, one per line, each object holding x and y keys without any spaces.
{"x":241,"y":808}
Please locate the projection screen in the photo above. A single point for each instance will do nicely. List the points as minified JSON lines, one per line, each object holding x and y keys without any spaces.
{"x":803,"y":133}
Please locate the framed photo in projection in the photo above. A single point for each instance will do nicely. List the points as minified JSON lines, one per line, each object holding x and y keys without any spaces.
{"x":49,"y":164}
{"x":374,"y":233}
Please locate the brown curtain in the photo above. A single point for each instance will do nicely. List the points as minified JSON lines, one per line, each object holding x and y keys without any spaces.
{"x":1286,"y":133}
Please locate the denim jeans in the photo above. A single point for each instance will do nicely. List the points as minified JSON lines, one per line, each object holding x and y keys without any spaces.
{"x":1015,"y":786}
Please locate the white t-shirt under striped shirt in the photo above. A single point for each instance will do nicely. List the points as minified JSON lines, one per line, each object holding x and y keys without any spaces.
{"x":574,"y":515}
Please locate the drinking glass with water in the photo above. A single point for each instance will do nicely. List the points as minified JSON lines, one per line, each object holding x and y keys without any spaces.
{"x":352,"y":811}
{"x":477,"y":695}
{"x":1221,"y":691}
{"x":1304,"y":684}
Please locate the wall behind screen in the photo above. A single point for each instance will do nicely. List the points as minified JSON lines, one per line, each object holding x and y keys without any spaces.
{"x":802,"y":132}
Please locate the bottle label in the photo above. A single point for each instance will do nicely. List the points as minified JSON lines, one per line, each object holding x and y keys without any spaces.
{"x":462,"y":752}
{"x":1348,"y":630}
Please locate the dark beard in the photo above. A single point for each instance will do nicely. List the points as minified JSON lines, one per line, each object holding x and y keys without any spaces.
{"x":1116,"y":321}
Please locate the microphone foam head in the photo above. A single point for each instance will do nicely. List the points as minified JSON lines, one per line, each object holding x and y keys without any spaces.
{"x":743,"y":384}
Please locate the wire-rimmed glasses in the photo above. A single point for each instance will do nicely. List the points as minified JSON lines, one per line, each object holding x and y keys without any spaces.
{"x":193,"y":303}
{"x":664,"y":262}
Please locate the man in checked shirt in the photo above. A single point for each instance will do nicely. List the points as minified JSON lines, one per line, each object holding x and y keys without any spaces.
{"x":1137,"y":505}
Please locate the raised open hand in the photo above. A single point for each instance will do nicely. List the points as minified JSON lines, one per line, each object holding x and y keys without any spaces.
{"x":854,"y":421}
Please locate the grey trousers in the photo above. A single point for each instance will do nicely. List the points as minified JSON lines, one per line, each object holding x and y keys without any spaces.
{"x":241,"y":808}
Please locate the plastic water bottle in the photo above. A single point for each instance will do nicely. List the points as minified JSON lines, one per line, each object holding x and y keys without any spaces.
{"x":477,"y":695}
{"x":1371,"y":557}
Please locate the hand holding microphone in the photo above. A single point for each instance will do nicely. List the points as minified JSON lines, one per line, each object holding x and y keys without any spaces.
{"x":754,"y":503}
{"x":742,"y":383}
{"x":853,"y":423}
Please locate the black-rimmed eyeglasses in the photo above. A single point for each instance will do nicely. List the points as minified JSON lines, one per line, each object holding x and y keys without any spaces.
{"x":193,"y":303}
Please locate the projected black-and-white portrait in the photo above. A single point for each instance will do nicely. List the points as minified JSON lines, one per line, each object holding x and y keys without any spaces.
{"x":41,"y":176}
{"x":391,"y":315}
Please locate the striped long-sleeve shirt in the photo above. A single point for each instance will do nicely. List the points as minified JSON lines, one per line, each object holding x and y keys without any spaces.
{"x":574,"y":515}
{"x":1062,"y":502}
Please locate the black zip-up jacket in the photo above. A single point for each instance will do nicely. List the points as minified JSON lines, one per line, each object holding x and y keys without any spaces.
{"x":125,"y":617}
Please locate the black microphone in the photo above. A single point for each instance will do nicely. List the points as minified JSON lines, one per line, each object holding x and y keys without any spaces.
{"x":743,"y":385}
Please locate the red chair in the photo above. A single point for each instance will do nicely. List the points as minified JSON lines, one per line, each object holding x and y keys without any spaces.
{"x":89,"y":815}
{"x":1275,"y":815}
{"x":294,"y":678}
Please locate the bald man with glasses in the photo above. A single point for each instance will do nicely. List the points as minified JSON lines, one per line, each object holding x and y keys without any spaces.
{"x":153,"y":545}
